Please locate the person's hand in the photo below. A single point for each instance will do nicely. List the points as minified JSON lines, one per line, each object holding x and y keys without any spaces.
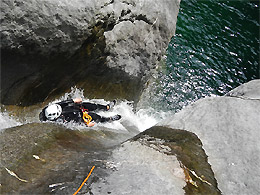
{"x":77,"y":100}
{"x":91,"y":124}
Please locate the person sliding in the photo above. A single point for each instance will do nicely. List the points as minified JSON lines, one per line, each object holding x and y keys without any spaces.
{"x":77,"y":111}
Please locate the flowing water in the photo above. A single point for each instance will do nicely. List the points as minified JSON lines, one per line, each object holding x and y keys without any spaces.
{"x":131,"y":120}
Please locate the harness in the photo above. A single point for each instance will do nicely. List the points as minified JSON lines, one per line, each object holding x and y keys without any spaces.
{"x":86,"y":117}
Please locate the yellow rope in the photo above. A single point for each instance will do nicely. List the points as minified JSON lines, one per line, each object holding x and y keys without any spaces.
{"x":84,"y":181}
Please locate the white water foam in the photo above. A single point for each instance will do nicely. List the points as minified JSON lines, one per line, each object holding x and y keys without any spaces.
{"x":131,"y":120}
{"x":139,"y":120}
{"x":7,"y":121}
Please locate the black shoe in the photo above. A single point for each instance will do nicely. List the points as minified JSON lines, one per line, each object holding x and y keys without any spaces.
{"x":116,"y":117}
{"x":111,"y":104}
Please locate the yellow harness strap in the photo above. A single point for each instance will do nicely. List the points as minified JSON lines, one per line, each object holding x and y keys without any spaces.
{"x":87,"y":118}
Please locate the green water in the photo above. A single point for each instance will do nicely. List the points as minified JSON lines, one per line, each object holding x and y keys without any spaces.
{"x":214,"y":50}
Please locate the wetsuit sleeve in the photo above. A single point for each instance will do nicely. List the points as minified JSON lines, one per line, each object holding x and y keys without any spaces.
{"x":92,"y":107}
{"x":98,"y":119}
{"x":65,"y":103}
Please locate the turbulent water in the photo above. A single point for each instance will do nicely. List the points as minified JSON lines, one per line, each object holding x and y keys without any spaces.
{"x":131,"y":120}
{"x":7,"y":121}
{"x":215,"y":49}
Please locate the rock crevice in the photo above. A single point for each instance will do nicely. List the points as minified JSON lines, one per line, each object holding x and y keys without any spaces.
{"x":52,"y":40}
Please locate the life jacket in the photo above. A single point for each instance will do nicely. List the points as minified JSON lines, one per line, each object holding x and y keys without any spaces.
{"x":85,"y":116}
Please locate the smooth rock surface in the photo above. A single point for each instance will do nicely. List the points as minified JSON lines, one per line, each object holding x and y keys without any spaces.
{"x":42,"y":155}
{"x":187,"y":147}
{"x":250,"y":90}
{"x":139,"y":169}
{"x":229,"y":129}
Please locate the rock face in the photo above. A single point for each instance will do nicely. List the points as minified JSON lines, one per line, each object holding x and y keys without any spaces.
{"x":106,"y":47}
{"x":228,"y":128}
{"x":44,"y":154}
{"x":187,"y":148}
{"x":250,"y":90}
{"x":158,"y":161}
{"x":139,"y":169}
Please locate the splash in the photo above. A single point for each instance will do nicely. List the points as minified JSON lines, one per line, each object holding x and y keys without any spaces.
{"x":132,"y":120}
{"x":7,"y":121}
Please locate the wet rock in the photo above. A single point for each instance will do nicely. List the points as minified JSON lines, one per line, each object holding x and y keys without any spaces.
{"x":135,"y":168}
{"x":106,"y":47}
{"x":42,"y":155}
{"x":228,"y":128}
{"x":189,"y":151}
{"x":159,"y":160}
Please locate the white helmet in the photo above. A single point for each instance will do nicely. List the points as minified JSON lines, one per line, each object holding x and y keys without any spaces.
{"x":53,"y":111}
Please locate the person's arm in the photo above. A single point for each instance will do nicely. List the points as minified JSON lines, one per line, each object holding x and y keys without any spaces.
{"x":77,"y":100}
{"x":65,"y":103}
{"x":91,"y":124}
{"x":71,"y":101}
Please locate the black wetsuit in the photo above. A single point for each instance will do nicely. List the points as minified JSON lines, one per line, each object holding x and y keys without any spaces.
{"x":73,"y":112}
